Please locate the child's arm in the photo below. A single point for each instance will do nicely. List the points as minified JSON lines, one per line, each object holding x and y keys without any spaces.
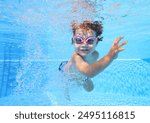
{"x":92,"y":70}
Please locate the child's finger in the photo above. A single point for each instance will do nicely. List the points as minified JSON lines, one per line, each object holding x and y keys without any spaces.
{"x":123,"y":43}
{"x":117,"y":40}
{"x":121,"y":49}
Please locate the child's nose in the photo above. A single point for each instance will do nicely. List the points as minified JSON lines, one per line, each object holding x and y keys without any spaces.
{"x":84,"y":41}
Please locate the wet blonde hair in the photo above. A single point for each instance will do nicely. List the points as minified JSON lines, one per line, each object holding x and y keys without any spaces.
{"x":96,"y":26}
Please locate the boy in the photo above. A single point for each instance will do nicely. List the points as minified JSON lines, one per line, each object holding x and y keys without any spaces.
{"x":83,"y":64}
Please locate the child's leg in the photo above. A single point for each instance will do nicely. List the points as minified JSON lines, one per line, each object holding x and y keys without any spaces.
{"x":67,"y":96}
{"x":66,"y":92}
{"x":88,"y":85}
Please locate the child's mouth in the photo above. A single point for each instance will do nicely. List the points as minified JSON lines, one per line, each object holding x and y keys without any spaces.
{"x":84,"y":50}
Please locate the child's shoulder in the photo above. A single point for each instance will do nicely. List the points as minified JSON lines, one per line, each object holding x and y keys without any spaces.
{"x":76,"y":56}
{"x":93,"y":57}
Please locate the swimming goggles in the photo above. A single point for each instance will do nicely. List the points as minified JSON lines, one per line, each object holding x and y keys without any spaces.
{"x":80,"y":40}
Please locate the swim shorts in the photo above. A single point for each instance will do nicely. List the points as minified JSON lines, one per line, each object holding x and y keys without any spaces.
{"x":61,"y":66}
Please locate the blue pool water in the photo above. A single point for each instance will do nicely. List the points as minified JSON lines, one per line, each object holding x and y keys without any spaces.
{"x":35,"y":36}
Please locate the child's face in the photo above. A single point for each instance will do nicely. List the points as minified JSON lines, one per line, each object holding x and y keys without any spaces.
{"x":84,"y":42}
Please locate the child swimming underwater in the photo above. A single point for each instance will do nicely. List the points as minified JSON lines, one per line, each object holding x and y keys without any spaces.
{"x":84,"y":63}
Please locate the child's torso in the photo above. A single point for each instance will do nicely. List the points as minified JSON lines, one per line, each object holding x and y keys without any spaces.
{"x":72,"y":71}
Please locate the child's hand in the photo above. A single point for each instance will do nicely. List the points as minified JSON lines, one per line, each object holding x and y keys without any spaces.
{"x":116,"y":48}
